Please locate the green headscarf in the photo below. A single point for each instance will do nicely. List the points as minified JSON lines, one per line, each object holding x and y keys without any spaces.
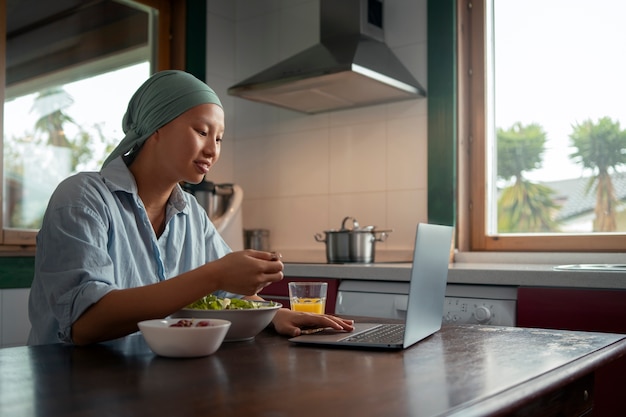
{"x":162,"y":98}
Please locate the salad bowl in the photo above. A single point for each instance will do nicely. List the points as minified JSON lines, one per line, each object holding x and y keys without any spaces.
{"x":248,"y":318}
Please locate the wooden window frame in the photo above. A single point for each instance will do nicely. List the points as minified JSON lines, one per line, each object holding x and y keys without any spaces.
{"x":472,"y":144}
{"x":169,"y":53}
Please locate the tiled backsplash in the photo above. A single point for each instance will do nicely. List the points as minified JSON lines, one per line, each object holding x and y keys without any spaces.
{"x":302,"y":174}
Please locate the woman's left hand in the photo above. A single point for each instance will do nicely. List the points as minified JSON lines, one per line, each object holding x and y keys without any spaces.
{"x":290,"y":323}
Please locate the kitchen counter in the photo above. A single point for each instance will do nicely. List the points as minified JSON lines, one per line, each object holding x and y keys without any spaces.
{"x":477,"y":274}
{"x":483,"y":269}
{"x":461,"y":370}
{"x":535,"y":269}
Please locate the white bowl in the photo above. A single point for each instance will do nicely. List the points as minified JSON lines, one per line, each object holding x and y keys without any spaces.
{"x":246,"y":323}
{"x":184,"y":342}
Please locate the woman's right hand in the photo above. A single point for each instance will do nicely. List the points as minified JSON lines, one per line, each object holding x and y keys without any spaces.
{"x":117,"y":313}
{"x":247,"y":272}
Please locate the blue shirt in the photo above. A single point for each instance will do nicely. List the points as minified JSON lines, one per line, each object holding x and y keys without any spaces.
{"x":96,"y":237}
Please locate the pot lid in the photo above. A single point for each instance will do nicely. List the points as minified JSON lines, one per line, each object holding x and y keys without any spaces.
{"x":355,"y":227}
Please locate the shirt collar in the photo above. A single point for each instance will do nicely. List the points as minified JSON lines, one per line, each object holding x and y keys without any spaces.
{"x":118,"y":177}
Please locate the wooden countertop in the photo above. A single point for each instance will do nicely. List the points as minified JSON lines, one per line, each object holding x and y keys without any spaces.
{"x":461,"y":370}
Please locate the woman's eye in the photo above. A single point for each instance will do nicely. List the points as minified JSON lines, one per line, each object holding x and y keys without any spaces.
{"x":202,"y":133}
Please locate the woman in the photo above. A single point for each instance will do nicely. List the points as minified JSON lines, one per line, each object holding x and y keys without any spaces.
{"x":127,"y":244}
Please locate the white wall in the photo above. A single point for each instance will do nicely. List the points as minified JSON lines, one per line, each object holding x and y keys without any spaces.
{"x":301,"y":174}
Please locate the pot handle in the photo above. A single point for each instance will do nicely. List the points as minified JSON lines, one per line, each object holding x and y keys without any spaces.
{"x":355,"y":224}
{"x":383,"y":236}
{"x":319,"y":237}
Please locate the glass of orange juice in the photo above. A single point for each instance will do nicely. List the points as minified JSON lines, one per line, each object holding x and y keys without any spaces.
{"x":308,"y":296}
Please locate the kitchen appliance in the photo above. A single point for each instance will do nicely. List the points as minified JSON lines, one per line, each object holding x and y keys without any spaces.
{"x":213,"y":197}
{"x":354,"y":244}
{"x":350,"y":67}
{"x":475,"y":304}
{"x":222,"y":203}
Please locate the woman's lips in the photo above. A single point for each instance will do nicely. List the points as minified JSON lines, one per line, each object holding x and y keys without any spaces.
{"x":203,"y":167}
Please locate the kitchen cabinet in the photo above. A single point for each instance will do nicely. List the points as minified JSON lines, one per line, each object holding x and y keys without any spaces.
{"x":574,"y":399}
{"x":279,"y":292}
{"x":574,"y":309}
{"x":588,"y":310}
{"x":14,"y":323}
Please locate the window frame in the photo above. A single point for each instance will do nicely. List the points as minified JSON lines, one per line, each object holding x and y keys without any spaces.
{"x":472,"y":163}
{"x":168,"y":53}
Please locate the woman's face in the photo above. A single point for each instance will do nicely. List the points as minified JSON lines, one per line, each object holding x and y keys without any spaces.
{"x":189,"y":145}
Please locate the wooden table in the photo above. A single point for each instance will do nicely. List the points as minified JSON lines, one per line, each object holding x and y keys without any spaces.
{"x":461,"y":370}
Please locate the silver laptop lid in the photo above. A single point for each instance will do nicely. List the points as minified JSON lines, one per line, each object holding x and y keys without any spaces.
{"x":426,"y":299}
{"x":429,"y":276}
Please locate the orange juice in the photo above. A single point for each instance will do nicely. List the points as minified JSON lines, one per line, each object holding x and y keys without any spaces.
{"x":309,"y":305}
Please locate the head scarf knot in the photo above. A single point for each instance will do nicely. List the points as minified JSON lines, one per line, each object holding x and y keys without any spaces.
{"x":162,"y":98}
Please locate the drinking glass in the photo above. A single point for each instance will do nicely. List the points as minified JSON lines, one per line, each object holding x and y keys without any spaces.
{"x":308,"y":296}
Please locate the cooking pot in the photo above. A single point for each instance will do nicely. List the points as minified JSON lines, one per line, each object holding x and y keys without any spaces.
{"x":357,"y":244}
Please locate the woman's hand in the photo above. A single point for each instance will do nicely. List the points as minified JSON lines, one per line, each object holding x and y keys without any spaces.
{"x":247,"y":272}
{"x":117,"y":313}
{"x":290,"y":323}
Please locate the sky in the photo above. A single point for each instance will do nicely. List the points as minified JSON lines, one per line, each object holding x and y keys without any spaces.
{"x":559,"y":63}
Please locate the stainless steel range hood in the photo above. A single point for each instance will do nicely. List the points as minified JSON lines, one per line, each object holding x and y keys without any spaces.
{"x":350,"y":67}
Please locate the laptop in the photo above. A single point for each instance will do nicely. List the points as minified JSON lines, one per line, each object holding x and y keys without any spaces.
{"x":427,"y":289}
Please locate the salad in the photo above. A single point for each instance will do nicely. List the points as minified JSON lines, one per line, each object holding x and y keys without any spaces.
{"x":211,"y":302}
{"x":190,"y":323}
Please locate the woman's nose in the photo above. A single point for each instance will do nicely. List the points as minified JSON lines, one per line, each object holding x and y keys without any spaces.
{"x":211,"y":147}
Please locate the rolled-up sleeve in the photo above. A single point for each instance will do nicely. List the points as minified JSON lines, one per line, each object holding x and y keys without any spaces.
{"x":73,"y":270}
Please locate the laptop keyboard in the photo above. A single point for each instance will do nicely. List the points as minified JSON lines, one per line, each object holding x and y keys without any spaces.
{"x":386,"y":334}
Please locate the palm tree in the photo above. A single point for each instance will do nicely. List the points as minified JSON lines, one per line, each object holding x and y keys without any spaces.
{"x":523,"y":206}
{"x":61,"y":155}
{"x":601,"y":147}
{"x":50,"y":104}
{"x":526,"y":207}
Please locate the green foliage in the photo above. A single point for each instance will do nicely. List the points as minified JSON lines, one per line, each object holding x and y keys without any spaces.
{"x":50,"y":104}
{"x":520,"y":149}
{"x":523,"y":207}
{"x":82,"y":146}
{"x":601,"y":147}
{"x":526,"y":207}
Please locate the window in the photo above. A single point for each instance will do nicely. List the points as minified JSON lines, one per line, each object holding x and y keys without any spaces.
{"x":58,"y":131}
{"x":540,"y":100}
{"x":69,"y":70}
